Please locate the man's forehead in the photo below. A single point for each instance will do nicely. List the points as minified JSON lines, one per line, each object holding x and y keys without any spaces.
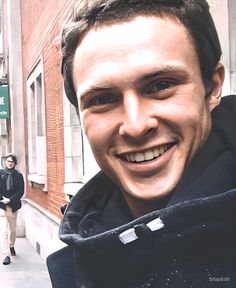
{"x":120,"y":35}
{"x":117,"y":48}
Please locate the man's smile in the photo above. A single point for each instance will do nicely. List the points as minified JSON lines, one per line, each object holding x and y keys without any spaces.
{"x":147,"y":155}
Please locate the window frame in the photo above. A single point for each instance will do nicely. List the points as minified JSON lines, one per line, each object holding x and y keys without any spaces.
{"x":37,"y":156}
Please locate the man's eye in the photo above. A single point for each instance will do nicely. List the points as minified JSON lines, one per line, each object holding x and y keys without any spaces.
{"x":159,"y":86}
{"x":100,"y":100}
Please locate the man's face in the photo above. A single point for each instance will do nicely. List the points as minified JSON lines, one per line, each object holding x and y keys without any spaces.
{"x":10,"y":164}
{"x":142,"y":103}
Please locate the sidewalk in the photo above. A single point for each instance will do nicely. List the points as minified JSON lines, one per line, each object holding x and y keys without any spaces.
{"x":27,"y":269}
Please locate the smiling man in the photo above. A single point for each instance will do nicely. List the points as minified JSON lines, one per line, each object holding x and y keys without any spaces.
{"x":146,"y":80}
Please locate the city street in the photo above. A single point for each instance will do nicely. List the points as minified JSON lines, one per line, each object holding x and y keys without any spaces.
{"x":27,"y":269}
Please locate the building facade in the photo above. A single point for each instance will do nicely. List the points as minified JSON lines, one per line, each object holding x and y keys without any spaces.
{"x":42,"y":128}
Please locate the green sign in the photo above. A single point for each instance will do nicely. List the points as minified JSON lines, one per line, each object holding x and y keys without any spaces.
{"x":4,"y":102}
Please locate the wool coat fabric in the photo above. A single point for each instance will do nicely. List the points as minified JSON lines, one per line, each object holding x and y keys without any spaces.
{"x":16,"y":193}
{"x":191,"y":242}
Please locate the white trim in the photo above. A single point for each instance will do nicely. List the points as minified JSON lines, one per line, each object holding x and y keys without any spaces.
{"x":36,"y":178}
{"x":36,"y":125}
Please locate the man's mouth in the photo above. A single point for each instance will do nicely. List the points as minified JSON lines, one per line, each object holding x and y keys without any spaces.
{"x":147,"y":155}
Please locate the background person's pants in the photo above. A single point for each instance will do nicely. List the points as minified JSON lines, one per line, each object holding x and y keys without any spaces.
{"x":10,"y":230}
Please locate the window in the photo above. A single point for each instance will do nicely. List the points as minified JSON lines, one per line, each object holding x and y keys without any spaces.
{"x":80,"y":164}
{"x":232,"y":44}
{"x":224,"y":15}
{"x":36,"y":126}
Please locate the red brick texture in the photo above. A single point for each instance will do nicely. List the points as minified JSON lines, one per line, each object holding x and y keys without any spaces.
{"x":41,"y":26}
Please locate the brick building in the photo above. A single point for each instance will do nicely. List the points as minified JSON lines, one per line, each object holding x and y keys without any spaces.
{"x":42,"y":128}
{"x":41,"y":119}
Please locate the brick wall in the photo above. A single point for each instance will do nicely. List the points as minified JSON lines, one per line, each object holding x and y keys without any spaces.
{"x":41,"y":26}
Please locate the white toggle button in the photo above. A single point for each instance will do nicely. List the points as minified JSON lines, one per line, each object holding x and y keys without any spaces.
{"x":155,"y":224}
{"x":130,"y":235}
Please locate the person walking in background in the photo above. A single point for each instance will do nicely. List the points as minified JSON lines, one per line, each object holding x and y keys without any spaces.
{"x":11,"y":192}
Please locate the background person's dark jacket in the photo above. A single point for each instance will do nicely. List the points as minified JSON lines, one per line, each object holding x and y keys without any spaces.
{"x":196,"y":247}
{"x":16,"y":193}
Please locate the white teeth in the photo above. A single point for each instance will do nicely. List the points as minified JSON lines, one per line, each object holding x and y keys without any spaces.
{"x":127,"y":157}
{"x":156,"y":152}
{"x":139,"y":157}
{"x":162,"y":150}
{"x":132,"y":157}
{"x":146,"y":156}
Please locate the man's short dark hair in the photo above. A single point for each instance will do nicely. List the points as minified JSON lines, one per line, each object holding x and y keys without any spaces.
{"x":193,"y":14}
{"x":12,"y":156}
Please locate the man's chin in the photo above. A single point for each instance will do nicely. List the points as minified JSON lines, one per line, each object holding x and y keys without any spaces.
{"x":147,"y":193}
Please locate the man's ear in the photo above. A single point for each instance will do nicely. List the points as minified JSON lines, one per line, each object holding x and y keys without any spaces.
{"x":217,"y":82}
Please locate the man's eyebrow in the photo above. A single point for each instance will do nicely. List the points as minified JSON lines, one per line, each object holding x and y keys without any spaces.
{"x":178,"y":71}
{"x":94,"y":89}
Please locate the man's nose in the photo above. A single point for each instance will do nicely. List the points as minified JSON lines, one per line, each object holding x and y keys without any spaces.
{"x":138,"y":117}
